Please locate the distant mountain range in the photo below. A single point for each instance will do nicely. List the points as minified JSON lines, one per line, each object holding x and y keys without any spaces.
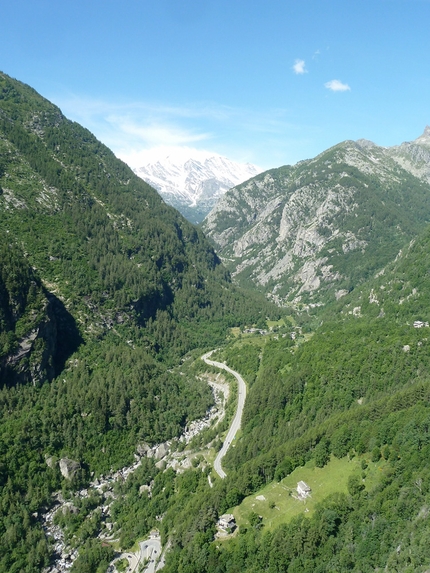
{"x":313,"y":231}
{"x":193,"y":184}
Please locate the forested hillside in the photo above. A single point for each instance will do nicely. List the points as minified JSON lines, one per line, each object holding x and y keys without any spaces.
{"x":102,"y":288}
{"x":357,"y":390}
{"x":108,"y":298}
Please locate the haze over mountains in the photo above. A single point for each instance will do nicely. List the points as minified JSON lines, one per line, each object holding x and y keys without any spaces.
{"x":193,"y":181}
{"x":313,"y":231}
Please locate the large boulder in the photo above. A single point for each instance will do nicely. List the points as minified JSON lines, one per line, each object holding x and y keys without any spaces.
{"x":143,"y":449}
{"x":161,"y":451}
{"x":68,"y":468}
{"x":51,"y":461}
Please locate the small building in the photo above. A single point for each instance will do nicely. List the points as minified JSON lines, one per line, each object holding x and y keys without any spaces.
{"x":303,"y":490}
{"x":227,"y":522}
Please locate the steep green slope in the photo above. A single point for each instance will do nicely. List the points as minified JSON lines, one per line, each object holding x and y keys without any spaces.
{"x":314,"y":231}
{"x":96,"y":233}
{"x":358,"y":388}
{"x":115,"y":286}
{"x":103,"y":288}
{"x":369,"y":345}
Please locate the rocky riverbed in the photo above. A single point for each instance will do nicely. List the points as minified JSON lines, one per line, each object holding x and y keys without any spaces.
{"x":166,"y":455}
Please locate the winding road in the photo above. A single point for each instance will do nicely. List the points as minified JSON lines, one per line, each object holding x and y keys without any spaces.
{"x":235,"y":425}
{"x":150,"y":551}
{"x":149,"y":557}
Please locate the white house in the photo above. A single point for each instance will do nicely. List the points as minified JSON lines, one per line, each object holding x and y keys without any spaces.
{"x":227,"y":522}
{"x":303,"y":490}
{"x":420,"y":324}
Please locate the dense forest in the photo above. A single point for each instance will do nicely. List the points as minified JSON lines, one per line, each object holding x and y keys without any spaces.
{"x":103,"y":288}
{"x":357,"y":389}
{"x":108,"y":298}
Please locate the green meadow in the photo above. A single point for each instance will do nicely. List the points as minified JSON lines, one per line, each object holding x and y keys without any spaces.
{"x":278,"y":502}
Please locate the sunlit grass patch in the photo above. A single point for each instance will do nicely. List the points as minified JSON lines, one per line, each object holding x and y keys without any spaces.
{"x":278,"y":502}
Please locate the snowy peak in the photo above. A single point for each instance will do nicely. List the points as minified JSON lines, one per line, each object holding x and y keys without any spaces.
{"x":193,"y":184}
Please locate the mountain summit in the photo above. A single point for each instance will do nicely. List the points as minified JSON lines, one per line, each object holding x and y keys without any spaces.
{"x":194,"y":182}
{"x":424,"y":139}
{"x":315,"y":230}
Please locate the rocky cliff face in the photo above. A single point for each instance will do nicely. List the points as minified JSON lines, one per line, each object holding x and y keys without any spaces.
{"x":33,"y":331}
{"x":29,"y":342}
{"x":414,"y":156}
{"x":313,"y":231}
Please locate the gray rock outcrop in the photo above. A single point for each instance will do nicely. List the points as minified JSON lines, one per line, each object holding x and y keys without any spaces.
{"x":68,"y":468}
{"x":303,"y":233}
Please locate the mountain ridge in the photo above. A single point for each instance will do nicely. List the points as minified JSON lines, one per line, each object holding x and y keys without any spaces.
{"x":103,"y":290}
{"x":290,"y":231}
{"x":143,"y":286}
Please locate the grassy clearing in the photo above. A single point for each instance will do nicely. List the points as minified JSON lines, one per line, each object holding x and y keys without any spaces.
{"x":254,"y":339}
{"x":279,"y":323}
{"x":251,"y":338}
{"x":279,"y":505}
{"x":235,"y":331}
{"x":287,"y":321}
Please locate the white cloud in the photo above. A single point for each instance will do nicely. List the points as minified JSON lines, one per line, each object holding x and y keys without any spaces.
{"x":299,"y":67}
{"x":132,"y":129}
{"x":155,"y":133}
{"x":134,"y":138}
{"x":337,"y":86}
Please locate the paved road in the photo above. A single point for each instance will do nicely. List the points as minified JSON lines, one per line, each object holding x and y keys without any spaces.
{"x":133,"y":561}
{"x":150,"y":551}
{"x":235,"y":425}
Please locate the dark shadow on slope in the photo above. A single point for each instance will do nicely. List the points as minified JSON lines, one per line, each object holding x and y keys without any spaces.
{"x":68,"y":336}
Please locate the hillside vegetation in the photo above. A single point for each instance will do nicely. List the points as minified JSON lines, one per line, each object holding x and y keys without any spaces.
{"x":357,"y":391}
{"x":103,"y":287}
{"x":108,"y":298}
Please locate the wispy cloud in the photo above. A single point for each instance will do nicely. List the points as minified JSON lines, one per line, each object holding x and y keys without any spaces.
{"x":299,"y":67}
{"x":156,"y":132}
{"x":337,"y":86}
{"x":131,"y":126}
{"x":133,"y":129}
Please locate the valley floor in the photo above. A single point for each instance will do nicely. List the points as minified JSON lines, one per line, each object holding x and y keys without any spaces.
{"x":179,"y":461}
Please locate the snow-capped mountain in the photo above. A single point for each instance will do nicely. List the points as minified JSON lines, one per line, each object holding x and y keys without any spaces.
{"x":194,"y":183}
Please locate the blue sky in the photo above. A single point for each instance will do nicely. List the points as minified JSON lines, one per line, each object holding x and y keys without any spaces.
{"x":270,"y":82}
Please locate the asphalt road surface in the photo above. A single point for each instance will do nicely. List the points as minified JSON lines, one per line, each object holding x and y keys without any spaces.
{"x":150,"y":551}
{"x":235,"y":425}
